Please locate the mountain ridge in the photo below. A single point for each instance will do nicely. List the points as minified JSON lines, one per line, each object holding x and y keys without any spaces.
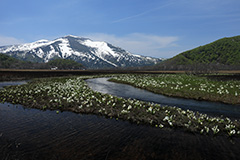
{"x":92,"y":54}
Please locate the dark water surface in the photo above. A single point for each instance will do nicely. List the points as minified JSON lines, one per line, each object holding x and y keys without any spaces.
{"x":34,"y":134}
{"x":12,"y":83}
{"x":28,"y":134}
{"x":127,"y":91}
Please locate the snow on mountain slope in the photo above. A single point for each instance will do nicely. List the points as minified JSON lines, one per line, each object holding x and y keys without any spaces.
{"x":27,"y":47}
{"x":92,"y":54}
{"x":102,"y":48}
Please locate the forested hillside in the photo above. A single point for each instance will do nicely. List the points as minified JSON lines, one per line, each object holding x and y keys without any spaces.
{"x":65,"y":64}
{"x":8,"y":62}
{"x":223,"y":51}
{"x":221,"y":54}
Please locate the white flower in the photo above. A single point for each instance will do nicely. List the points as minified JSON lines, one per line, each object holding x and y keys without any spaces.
{"x":166,"y":118}
{"x":161,"y":125}
{"x":215,"y":129}
{"x":129,"y":107}
{"x":207,"y":129}
{"x":232,"y":132}
{"x":150,"y":109}
{"x":124,"y":111}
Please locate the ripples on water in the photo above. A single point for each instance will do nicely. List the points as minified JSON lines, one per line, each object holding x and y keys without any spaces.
{"x":34,"y":134}
{"x":3,"y":84}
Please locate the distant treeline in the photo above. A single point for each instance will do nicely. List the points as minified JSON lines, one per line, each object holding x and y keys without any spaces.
{"x":8,"y":62}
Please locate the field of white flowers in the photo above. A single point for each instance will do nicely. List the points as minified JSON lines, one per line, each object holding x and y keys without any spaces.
{"x":73,"y":94}
{"x":186,"y":86}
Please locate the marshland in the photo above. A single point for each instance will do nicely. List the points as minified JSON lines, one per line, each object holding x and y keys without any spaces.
{"x":119,"y":80}
{"x":62,"y":113}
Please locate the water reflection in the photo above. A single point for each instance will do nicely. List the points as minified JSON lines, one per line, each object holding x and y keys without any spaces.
{"x":31,"y":134}
{"x":34,"y":134}
{"x":127,"y":91}
{"x":12,"y":83}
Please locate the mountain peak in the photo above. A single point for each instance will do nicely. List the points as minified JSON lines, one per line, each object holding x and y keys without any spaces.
{"x":76,"y":37}
{"x":42,"y":41}
{"x":71,"y":36}
{"x":92,"y":54}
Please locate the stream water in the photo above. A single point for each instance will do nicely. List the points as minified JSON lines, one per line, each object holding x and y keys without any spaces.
{"x":11,"y":83}
{"x":126,"y":91}
{"x":31,"y":134}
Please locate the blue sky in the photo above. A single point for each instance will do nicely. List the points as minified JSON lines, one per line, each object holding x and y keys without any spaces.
{"x":157,"y":28}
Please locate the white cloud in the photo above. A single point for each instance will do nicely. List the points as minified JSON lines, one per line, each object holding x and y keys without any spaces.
{"x":143,"y":44}
{"x":9,"y":41}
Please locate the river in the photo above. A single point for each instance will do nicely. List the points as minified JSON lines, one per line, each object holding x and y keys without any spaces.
{"x":31,"y":134}
{"x":126,"y":91}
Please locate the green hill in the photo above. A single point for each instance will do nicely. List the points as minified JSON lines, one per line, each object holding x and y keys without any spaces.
{"x":223,"y":53}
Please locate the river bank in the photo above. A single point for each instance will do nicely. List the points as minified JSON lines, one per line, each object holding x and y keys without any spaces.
{"x":187,"y":86}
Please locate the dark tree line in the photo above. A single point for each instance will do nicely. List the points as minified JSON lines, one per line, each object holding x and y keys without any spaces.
{"x":8,"y":62}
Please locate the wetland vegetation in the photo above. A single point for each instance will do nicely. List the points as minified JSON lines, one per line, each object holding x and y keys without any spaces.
{"x":73,"y":94}
{"x":185,"y":86}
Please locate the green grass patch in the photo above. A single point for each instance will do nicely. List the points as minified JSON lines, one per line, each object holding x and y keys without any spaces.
{"x":185,"y":86}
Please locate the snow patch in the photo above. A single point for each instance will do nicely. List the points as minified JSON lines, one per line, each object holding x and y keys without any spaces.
{"x":102,"y":49}
{"x":137,"y":55}
{"x":42,"y":41}
{"x":65,"y":48}
{"x":40,"y":53}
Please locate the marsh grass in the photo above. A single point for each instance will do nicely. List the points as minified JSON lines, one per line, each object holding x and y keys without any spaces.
{"x":73,"y":94}
{"x":185,"y":86}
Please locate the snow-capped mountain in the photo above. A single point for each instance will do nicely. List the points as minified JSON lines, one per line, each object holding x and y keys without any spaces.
{"x":92,"y":54}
